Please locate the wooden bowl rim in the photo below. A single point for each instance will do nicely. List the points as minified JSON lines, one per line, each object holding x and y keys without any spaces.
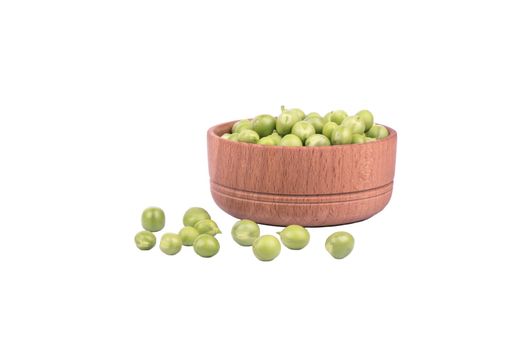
{"x":212,"y":132}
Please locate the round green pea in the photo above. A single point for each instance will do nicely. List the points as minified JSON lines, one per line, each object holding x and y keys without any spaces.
{"x":244,"y":124}
{"x":266,"y":248}
{"x":317,"y":122}
{"x":170,"y":243}
{"x":328,"y":128}
{"x":367,"y":118}
{"x":339,"y":244}
{"x":145,"y":240}
{"x":153,"y":219}
{"x":295,"y":237}
{"x":207,"y":226}
{"x":285,"y":122}
{"x":336,"y":116}
{"x":358,"y":138}
{"x":245,"y":232}
{"x":355,"y":124}
{"x":317,"y":140}
{"x":188,"y":234}
{"x":194,"y":215}
{"x":341,"y":135}
{"x":313,"y":115}
{"x":369,"y":139}
{"x":294,"y":111}
{"x":303,"y":130}
{"x":291,"y":140}
{"x":234,"y":137}
{"x":206,"y":246}
{"x":377,"y":131}
{"x":226,"y":136}
{"x":248,"y":136}
{"x":268,"y":141}
{"x":263,"y":124}
{"x":276,"y":137}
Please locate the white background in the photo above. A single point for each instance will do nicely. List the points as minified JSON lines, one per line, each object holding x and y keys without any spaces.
{"x":104,"y":107}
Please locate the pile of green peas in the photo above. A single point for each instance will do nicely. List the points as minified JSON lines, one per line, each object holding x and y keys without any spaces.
{"x":294,"y":128}
{"x":199,"y":231}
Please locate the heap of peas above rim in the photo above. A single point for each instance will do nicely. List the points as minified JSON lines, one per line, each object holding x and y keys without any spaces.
{"x":295,"y":128}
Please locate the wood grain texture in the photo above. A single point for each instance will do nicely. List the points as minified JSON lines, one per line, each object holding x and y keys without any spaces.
{"x":309,"y":186}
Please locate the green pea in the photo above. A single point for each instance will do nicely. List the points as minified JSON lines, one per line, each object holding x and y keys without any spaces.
{"x":266,"y":248}
{"x":303,"y":130}
{"x":245,"y":232}
{"x":170,"y":243}
{"x":294,"y":111}
{"x":194,"y":215}
{"x":335,"y":116}
{"x":366,"y":117}
{"x":153,"y":219}
{"x":317,"y":140}
{"x":267,"y":141}
{"x":285,"y":122}
{"x":313,"y":115}
{"x":339,"y":244}
{"x":234,"y":137}
{"x":263,"y":124}
{"x":356,"y":125}
{"x":276,"y":137}
{"x":377,"y":131}
{"x":369,"y":139}
{"x":317,"y":122}
{"x":145,"y":240}
{"x":358,"y":138}
{"x":328,"y":128}
{"x":226,"y":136}
{"x":295,"y":237}
{"x":244,"y":124}
{"x":188,"y":234}
{"x":207,"y":226}
{"x":341,"y":136}
{"x":291,"y":140}
{"x":248,"y":136}
{"x":206,"y":246}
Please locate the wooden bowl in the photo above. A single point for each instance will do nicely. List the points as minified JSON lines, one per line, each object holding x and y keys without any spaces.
{"x":308,"y":186}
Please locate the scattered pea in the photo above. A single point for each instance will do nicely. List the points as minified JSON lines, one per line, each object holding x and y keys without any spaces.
{"x":245,"y":232}
{"x":206,"y":245}
{"x":170,"y":243}
{"x":339,"y":244}
{"x":188,"y":235}
{"x":295,"y":237}
{"x":153,"y":219}
{"x":194,"y":215}
{"x":207,"y":226}
{"x":266,"y":248}
{"x":145,"y":240}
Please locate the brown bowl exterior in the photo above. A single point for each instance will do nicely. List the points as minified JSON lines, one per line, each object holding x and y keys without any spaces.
{"x":308,"y":186}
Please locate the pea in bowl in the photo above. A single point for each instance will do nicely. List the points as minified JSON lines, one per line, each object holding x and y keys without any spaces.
{"x":308,"y":186}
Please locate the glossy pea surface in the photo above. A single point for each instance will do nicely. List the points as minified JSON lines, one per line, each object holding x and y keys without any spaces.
{"x":340,"y":244}
{"x":245,"y":232}
{"x":207,"y":226}
{"x":244,"y":124}
{"x":378,"y":132}
{"x":367,"y":117}
{"x":291,"y":140}
{"x":341,"y":135}
{"x":328,"y":129}
{"x":295,"y":237}
{"x":303,"y":130}
{"x":285,"y":122}
{"x":206,"y":246}
{"x":355,"y":124}
{"x":248,"y":136}
{"x":194,"y":215}
{"x":188,"y":235}
{"x":266,"y":248}
{"x":145,"y":240}
{"x":263,"y":125}
{"x":317,"y":122}
{"x":153,"y":219}
{"x":170,"y":243}
{"x":317,"y":140}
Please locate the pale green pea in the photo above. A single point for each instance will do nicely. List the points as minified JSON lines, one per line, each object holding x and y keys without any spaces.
{"x":356,"y":125}
{"x":194,"y":215}
{"x":303,"y":130}
{"x":170,"y":243}
{"x":153,"y":219}
{"x":378,"y":132}
{"x":207,"y":226}
{"x":188,"y":234}
{"x":341,"y":135}
{"x":266,"y":248}
{"x":263,"y":124}
{"x":206,"y":245}
{"x":248,"y":136}
{"x":317,"y":140}
{"x":244,"y":124}
{"x":358,"y":138}
{"x":367,"y":117}
{"x":145,"y":240}
{"x":245,"y":232}
{"x":328,"y":128}
{"x":340,"y":244}
{"x":291,"y":140}
{"x":295,"y":237}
